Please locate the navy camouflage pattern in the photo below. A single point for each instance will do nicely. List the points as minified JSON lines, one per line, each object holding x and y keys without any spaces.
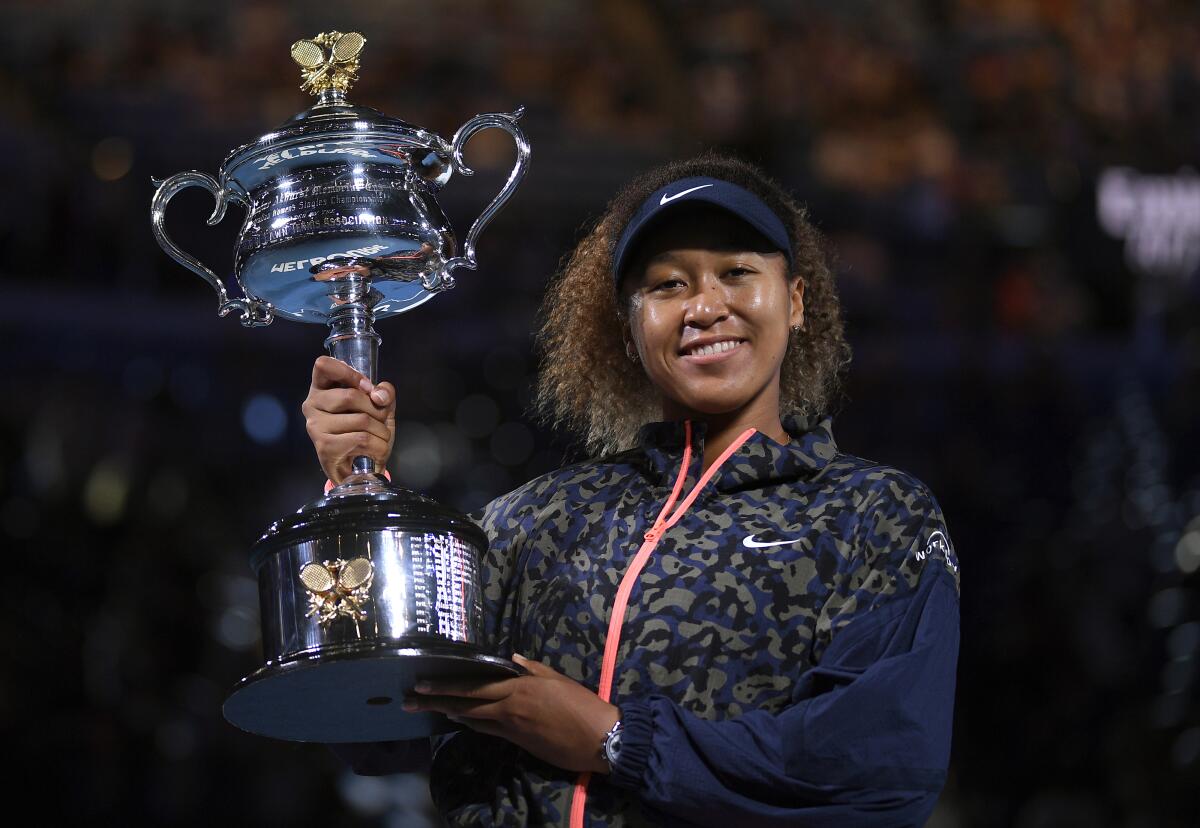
{"x":729,"y":633}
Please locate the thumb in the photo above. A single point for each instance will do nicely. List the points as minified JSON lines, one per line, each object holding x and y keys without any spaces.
{"x":384,"y":394}
{"x":535,"y":668}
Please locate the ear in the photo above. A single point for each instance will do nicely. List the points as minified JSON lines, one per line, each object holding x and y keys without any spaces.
{"x":625,"y":318}
{"x":797,"y":296}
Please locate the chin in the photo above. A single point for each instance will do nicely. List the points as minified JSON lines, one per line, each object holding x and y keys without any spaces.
{"x":713,"y":405}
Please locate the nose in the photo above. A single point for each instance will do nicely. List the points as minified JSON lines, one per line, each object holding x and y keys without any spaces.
{"x":707,"y":305}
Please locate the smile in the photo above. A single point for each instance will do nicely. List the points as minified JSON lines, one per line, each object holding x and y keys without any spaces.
{"x":712,"y":349}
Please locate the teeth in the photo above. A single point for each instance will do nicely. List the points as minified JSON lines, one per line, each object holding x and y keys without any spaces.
{"x":717,"y":348}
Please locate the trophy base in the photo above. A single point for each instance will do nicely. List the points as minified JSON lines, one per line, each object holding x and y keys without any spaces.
{"x":355,"y":696}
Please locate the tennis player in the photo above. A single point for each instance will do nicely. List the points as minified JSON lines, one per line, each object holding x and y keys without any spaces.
{"x":726,"y":620}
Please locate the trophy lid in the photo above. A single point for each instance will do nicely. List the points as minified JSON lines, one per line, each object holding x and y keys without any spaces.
{"x":329,"y":65}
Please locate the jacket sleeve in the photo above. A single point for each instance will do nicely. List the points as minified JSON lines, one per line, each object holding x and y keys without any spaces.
{"x":865,"y":740}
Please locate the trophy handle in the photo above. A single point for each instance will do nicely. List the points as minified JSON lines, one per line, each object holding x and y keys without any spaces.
{"x":508,"y":123}
{"x":253,"y":312}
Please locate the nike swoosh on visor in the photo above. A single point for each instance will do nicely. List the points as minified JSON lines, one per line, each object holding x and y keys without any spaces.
{"x":666,"y":198}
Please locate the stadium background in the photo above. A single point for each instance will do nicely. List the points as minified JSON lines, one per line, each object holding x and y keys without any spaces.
{"x":1007,"y":187}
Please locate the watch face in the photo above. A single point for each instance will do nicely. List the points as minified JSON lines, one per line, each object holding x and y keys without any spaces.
{"x":612,"y":747}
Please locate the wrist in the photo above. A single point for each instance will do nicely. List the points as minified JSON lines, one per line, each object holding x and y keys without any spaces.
{"x":637,"y":734}
{"x":609,"y":745}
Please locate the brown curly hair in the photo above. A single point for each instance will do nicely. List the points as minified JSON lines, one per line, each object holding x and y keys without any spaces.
{"x":586,"y":383}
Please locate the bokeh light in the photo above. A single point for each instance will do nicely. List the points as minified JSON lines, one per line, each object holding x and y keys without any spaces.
{"x":106,"y":490}
{"x":112,"y":158}
{"x":264,"y":419}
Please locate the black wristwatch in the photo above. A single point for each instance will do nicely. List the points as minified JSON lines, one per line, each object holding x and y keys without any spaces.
{"x":610,"y":748}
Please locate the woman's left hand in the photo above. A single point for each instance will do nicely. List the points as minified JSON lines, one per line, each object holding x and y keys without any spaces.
{"x":553,"y":717}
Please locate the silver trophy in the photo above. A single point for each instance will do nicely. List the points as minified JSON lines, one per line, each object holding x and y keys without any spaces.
{"x":372,"y":587}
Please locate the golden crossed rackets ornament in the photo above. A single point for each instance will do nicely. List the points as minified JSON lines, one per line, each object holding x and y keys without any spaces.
{"x":328,"y":61}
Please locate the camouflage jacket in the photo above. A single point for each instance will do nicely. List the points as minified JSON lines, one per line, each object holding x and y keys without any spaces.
{"x":787,"y":658}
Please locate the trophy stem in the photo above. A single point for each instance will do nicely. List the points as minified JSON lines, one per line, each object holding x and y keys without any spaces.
{"x":353,"y":340}
{"x":331,"y":97}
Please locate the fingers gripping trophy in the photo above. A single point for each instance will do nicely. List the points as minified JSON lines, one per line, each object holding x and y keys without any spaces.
{"x":372,"y":587}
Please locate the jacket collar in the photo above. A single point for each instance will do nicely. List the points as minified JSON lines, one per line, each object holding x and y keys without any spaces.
{"x":759,"y":461}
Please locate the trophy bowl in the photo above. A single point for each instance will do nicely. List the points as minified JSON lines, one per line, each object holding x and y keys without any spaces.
{"x":339,"y":182}
{"x":372,"y":587}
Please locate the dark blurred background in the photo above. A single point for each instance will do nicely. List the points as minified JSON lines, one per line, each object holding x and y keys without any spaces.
{"x":1007,"y":187}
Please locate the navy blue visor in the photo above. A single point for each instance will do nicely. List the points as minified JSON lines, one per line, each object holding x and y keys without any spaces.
{"x":729,"y":197}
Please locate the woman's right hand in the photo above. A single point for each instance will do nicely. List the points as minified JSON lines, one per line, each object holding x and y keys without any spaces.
{"x":347,"y":417}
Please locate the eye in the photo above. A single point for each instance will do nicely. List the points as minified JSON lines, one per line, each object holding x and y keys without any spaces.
{"x":666,"y":283}
{"x":738,"y":271}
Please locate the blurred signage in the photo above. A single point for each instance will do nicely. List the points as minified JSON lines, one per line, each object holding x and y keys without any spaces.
{"x":1157,"y":216}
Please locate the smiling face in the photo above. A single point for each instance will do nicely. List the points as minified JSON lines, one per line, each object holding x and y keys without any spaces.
{"x":711,"y":306}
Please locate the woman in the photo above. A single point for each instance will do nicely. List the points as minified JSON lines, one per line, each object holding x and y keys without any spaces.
{"x":726,"y":620}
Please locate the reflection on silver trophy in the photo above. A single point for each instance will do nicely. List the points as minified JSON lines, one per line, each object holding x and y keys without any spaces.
{"x":371,"y":587}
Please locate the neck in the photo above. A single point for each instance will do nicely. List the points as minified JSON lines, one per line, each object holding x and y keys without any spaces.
{"x":722,"y":429}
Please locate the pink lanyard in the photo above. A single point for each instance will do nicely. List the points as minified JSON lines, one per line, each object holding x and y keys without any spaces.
{"x":653,"y":534}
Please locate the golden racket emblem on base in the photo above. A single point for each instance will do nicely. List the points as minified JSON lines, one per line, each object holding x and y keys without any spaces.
{"x":337,"y":589}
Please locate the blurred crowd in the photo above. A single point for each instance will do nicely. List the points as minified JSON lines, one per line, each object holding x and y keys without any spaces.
{"x":1007,"y":352}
